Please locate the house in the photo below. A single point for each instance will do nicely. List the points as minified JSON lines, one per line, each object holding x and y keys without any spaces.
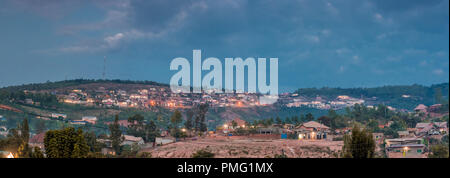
{"x":378,"y":137}
{"x":57,"y":116}
{"x":435,"y":128}
{"x":3,"y":131}
{"x":441,"y":127}
{"x":405,"y":148}
{"x":406,"y":151}
{"x":130,"y":140}
{"x":163,"y":140}
{"x":403,"y":141}
{"x":37,"y":141}
{"x":78,"y":122}
{"x":89,"y":119}
{"x":312,"y":130}
{"x":423,"y":128}
{"x":405,"y":134}
{"x":434,"y":108}
{"x":420,"y":108}
{"x":233,"y":124}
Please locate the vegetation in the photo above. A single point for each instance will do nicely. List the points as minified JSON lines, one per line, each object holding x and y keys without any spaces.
{"x":116,"y":135}
{"x":203,"y":153}
{"x":439,"y":151}
{"x":359,"y":144}
{"x":66,"y":143}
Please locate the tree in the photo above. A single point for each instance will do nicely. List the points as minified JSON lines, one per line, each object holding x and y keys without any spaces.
{"x":116,"y":134}
{"x":37,"y":153}
{"x":66,"y":143}
{"x":309,"y":117}
{"x":25,"y":130}
{"x":438,"y":95}
{"x":199,"y":123}
{"x":136,"y":125}
{"x":91,"y":140}
{"x":188,"y":124}
{"x":234,"y":124}
{"x":203,"y":153}
{"x":40,"y":127}
{"x":176,"y":118}
{"x":360,"y":144}
{"x":151,"y":132}
{"x":278,"y":120}
{"x":325,"y":120}
{"x":439,"y":151}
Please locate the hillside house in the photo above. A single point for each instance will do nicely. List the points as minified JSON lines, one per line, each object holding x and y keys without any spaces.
{"x":37,"y":141}
{"x":420,"y":108}
{"x":405,"y":148}
{"x":89,"y":119}
{"x":130,"y":140}
{"x":312,"y":130}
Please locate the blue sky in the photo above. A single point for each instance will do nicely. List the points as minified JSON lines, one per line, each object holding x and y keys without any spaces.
{"x":335,"y":43}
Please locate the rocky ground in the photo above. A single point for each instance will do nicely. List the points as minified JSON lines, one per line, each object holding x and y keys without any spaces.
{"x":249,"y":148}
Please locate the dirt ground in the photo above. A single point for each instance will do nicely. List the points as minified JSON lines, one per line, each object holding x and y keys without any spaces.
{"x":249,"y":148}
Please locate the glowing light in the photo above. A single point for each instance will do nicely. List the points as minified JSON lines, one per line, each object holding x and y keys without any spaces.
{"x":10,"y":155}
{"x":183,"y":130}
{"x":225,"y":126}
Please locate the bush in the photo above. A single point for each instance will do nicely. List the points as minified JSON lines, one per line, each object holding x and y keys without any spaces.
{"x":203,"y":154}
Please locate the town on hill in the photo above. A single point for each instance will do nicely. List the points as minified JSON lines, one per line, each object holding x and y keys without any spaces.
{"x":119,"y":118}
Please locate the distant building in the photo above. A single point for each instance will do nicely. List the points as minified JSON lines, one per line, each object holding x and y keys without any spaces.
{"x":421,"y":108}
{"x":37,"y":141}
{"x":312,"y":130}
{"x":57,"y":115}
{"x":89,"y":119}
{"x":405,"y":148}
{"x":78,"y":122}
{"x":130,"y":140}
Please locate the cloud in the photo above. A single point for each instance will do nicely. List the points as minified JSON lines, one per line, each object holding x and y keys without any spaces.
{"x":438,"y":71}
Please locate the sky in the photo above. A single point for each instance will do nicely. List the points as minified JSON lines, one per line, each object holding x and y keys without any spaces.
{"x":318,"y":43}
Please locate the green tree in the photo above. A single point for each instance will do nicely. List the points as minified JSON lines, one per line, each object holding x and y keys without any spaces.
{"x":25,"y":130}
{"x":176,"y":118}
{"x":203,"y":153}
{"x":66,"y":143}
{"x":360,"y":144}
{"x":136,"y":125}
{"x":188,"y":124}
{"x":40,"y":127}
{"x":278,"y":120}
{"x":439,"y":151}
{"x":37,"y":153}
{"x":151,"y":132}
{"x":116,"y":135}
{"x":309,"y":117}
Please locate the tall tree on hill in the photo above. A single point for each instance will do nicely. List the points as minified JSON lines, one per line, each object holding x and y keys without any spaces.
{"x":309,"y":117}
{"x":360,"y":144}
{"x":66,"y":143}
{"x":325,"y":120}
{"x":116,"y":135}
{"x":176,"y":118}
{"x":188,"y":124}
{"x":25,"y":130}
{"x":151,"y":131}
{"x":200,"y":117}
{"x":136,"y":125}
{"x":40,"y":127}
{"x":295,"y":120}
{"x":278,"y":120}
{"x":438,"y":95}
